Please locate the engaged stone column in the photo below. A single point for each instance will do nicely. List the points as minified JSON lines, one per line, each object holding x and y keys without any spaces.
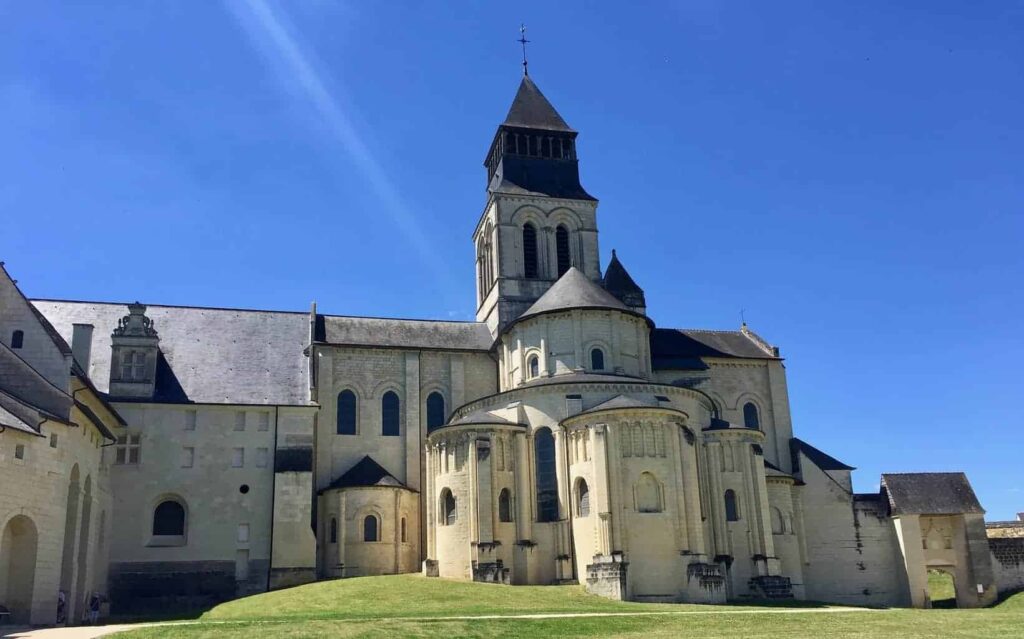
{"x":524,"y":516}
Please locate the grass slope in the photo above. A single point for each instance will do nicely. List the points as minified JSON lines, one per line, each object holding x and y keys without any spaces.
{"x":381,"y":607}
{"x":417,"y":596}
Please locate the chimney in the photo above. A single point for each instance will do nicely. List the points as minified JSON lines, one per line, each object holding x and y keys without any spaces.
{"x":1020,"y":516}
{"x":81,"y":345}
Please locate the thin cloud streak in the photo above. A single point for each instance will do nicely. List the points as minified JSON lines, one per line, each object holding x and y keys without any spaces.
{"x":275,"y":41}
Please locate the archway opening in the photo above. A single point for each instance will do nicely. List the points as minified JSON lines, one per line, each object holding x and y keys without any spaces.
{"x":18,"y":546}
{"x":941,"y":589}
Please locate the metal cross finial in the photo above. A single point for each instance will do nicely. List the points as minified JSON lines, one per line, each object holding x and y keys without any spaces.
{"x":522,"y":39}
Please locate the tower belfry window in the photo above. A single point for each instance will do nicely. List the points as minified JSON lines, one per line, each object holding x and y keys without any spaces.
{"x":529,"y":251}
{"x":562,"y":248}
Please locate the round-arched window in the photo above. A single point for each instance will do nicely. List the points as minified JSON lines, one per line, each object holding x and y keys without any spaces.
{"x":169,"y":519}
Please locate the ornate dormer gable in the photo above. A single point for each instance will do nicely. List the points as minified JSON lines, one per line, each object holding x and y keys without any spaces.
{"x":135,"y":345}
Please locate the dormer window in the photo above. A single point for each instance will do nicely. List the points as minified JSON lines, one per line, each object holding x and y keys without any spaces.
{"x":133,"y":366}
{"x":17,"y":339}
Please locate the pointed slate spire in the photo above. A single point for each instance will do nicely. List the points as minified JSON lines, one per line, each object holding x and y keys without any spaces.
{"x":617,"y":281}
{"x":531,"y":110}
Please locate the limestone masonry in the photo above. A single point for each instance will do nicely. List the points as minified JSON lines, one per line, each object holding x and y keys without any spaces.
{"x":174,"y":455}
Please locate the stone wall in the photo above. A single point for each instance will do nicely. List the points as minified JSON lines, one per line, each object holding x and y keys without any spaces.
{"x":1008,"y":562}
{"x":36,"y":487}
{"x":851,"y":548}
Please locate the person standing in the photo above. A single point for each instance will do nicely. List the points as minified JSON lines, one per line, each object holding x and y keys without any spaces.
{"x":94,"y":608}
{"x":62,"y":602}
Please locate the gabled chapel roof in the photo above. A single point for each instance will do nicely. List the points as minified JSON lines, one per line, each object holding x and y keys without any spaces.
{"x":366,"y":472}
{"x":929,"y":494}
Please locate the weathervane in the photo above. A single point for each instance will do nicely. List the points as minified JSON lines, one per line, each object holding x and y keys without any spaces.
{"x":522,"y":39}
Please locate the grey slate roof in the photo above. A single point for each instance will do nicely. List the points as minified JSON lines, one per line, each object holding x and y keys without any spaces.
{"x":16,"y":414}
{"x":34,"y":394}
{"x":530,"y":109}
{"x":574,"y":290}
{"x":403,"y":333}
{"x":207,"y":355}
{"x":929,"y":494}
{"x":820,"y":459}
{"x":622,"y":401}
{"x":670,"y":346}
{"x":618,"y":282}
{"x":366,"y":472}
{"x":585,"y":378}
{"x":483,"y":416}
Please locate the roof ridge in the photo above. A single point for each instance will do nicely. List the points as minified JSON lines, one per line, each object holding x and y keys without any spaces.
{"x":251,"y":310}
{"x":187,"y":306}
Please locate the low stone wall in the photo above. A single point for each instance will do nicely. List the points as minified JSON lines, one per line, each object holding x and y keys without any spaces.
{"x":150,"y":586}
{"x":1008,"y":562}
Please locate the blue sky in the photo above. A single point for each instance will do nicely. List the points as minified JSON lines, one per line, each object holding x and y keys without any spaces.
{"x":850,"y":174}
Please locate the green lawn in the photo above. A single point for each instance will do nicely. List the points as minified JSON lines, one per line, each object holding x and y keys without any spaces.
{"x":382,"y":606}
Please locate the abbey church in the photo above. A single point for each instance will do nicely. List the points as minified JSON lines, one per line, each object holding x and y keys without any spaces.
{"x":166,"y":454}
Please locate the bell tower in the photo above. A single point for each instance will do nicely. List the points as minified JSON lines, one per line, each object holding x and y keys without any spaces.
{"x":539,"y":220}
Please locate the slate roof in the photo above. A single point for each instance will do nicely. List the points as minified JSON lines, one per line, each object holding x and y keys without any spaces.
{"x":33,"y":394}
{"x":618,"y":282}
{"x":207,"y":355}
{"x":672,"y":345}
{"x":18,"y":415}
{"x":574,"y":290}
{"x":483,"y":416}
{"x":771,"y":470}
{"x":820,"y":459}
{"x":586,"y":378}
{"x":366,"y":472}
{"x":929,"y":494}
{"x":530,"y":109}
{"x":403,"y":333}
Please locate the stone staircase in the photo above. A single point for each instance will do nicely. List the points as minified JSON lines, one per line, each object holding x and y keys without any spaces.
{"x":771,"y":587}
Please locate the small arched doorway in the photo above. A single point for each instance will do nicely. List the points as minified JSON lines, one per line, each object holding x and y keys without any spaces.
{"x":941,"y":588}
{"x":18,"y":546}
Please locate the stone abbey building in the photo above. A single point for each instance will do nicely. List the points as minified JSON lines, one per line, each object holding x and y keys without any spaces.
{"x":155,"y":453}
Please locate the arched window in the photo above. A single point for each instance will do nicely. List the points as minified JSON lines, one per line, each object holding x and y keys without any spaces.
{"x":334,"y":530}
{"x":389,"y":414}
{"x":582,"y":498}
{"x":405,"y":536}
{"x":778,"y":527}
{"x":732,"y":510}
{"x":529,"y":251}
{"x":533,"y":366}
{"x":648,"y":494}
{"x":346,"y":413}
{"x":750,"y":418}
{"x":370,"y":528}
{"x":562,"y":249}
{"x":547,"y":482}
{"x":169,"y":519}
{"x":597,"y":359}
{"x":505,"y":505}
{"x":17,"y":339}
{"x":449,"y":512}
{"x":435,"y":411}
